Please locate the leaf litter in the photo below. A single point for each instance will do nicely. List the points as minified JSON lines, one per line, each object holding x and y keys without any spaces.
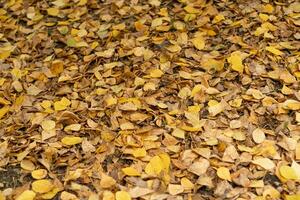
{"x":186,"y":99}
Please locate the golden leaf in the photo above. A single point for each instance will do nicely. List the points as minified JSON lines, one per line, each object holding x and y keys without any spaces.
{"x":42,"y":186}
{"x":123,"y":195}
{"x":224,"y":173}
{"x":236,"y":62}
{"x":26,"y":195}
{"x":130,"y":171}
{"x":39,"y":174}
{"x":71,"y":140}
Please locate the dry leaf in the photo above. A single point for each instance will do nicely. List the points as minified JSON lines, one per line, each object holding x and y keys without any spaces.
{"x":71,"y":140}
{"x":26,"y":195}
{"x":42,"y":186}
{"x":224,"y":173}
{"x":123,"y":195}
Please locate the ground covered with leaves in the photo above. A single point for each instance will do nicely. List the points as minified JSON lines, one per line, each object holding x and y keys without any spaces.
{"x":149,"y":99}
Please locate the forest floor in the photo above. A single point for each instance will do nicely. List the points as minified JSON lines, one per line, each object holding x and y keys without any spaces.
{"x":149,"y":99}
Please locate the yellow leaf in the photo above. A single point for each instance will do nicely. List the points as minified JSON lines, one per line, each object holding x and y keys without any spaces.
{"x":199,"y":42}
{"x":82,"y":2}
{"x":224,"y":173}
{"x":51,"y":194}
{"x":289,"y":104}
{"x":27,"y":165}
{"x":218,"y":18}
{"x":48,"y":125}
{"x":3,"y":111}
{"x":297,"y":150}
{"x":5,"y":51}
{"x":62,"y":104}
{"x":155,"y":166}
{"x":274,"y":51}
{"x":123,"y":195}
{"x":2,"y":197}
{"x":288,"y":172}
{"x":111,"y":101}
{"x":257,"y":184}
{"x":139,"y":152}
{"x":156,"y":73}
{"x":268,"y":8}
{"x":53,"y":11}
{"x":130,"y":171}
{"x":258,"y":136}
{"x":186,"y":184}
{"x":42,"y":186}
{"x":4,"y":101}
{"x":2,"y":81}
{"x":255,"y":93}
{"x":46,"y":104}
{"x":173,"y":48}
{"x":106,"y":181}
{"x":265,"y":163}
{"x":263,"y":17}
{"x":108,"y":195}
{"x":292,"y":197}
{"x":190,"y":9}
{"x":190,"y":128}
{"x":71,"y":42}
{"x":175,"y":189}
{"x":57,"y":67}
{"x":71,"y":140}
{"x":215,"y":109}
{"x":73,"y":127}
{"x":166,"y":161}
{"x":39,"y":174}
{"x":68,"y":196}
{"x":178,"y":133}
{"x":212,"y":64}
{"x":236,"y":61}
{"x":26,"y":195}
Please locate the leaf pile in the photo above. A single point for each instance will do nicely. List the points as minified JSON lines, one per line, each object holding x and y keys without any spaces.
{"x":150,"y":99}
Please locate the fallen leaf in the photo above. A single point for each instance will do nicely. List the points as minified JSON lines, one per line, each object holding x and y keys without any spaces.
{"x":26,"y":195}
{"x":39,"y":173}
{"x":175,"y":189}
{"x":130,"y":171}
{"x":224,"y":173}
{"x":71,"y":140}
{"x":42,"y":186}
{"x":236,"y":62}
{"x":123,"y":195}
{"x":265,"y":163}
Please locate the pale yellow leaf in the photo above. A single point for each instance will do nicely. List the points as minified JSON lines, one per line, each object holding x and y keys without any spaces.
{"x":186,"y":184}
{"x":224,"y":173}
{"x":27,"y":165}
{"x":73,"y":127}
{"x":265,"y":163}
{"x":48,"y":125}
{"x":174,"y":189}
{"x":258,"y":136}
